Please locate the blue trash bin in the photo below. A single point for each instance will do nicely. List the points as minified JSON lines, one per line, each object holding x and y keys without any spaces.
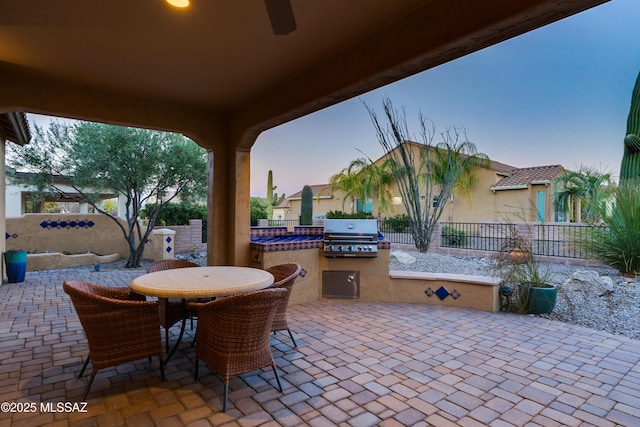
{"x":16,"y":263}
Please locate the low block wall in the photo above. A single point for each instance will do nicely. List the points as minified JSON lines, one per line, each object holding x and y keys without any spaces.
{"x":48,"y":238}
{"x":459,"y":290}
{"x":66,"y":233}
{"x":188,"y":237}
{"x":36,"y":262}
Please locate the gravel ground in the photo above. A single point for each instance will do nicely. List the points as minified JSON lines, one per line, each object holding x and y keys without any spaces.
{"x":598,"y":303}
{"x":612,"y":306}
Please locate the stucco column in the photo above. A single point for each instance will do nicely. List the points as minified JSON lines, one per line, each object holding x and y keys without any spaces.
{"x":228,"y":212}
{"x":3,"y":208}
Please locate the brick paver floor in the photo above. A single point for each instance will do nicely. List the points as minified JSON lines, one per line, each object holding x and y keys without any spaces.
{"x":357,"y":364}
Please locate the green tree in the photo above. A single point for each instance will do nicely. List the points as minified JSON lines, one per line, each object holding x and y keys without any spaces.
{"x":591,"y":187}
{"x":364,"y":180}
{"x":146,"y":168}
{"x":258,"y":210}
{"x":426,"y":173}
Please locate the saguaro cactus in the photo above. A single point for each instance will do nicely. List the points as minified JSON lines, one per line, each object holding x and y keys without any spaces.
{"x":630,"y":167}
{"x":306,"y":216}
{"x":272,"y":198}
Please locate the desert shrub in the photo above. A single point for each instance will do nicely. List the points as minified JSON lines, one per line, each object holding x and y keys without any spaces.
{"x":398,"y":223}
{"x":618,"y":243}
{"x":452,"y":237}
{"x":344,"y":215}
{"x":179,"y":214}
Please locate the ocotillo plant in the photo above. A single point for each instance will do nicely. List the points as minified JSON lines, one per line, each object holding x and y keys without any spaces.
{"x":630,"y":167}
{"x":272,"y":198}
{"x":306,"y":216}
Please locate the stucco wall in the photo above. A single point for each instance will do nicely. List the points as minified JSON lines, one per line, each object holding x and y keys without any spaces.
{"x":3,"y":223}
{"x":320,"y":206}
{"x":66,"y":233}
{"x":376,"y":283}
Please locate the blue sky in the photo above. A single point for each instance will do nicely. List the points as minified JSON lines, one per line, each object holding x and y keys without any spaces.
{"x":557,"y":95}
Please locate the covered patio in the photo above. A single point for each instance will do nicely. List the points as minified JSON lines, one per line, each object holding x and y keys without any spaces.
{"x":220,"y":76}
{"x":357,"y":364}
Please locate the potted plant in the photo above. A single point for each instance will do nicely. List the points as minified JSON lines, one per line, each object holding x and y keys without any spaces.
{"x":526,"y":281}
{"x":16,"y":263}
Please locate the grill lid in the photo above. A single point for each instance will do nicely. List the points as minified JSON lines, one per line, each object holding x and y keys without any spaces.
{"x":346,"y":227}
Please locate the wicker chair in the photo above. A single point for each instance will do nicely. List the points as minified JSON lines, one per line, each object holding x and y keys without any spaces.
{"x":118,"y":325}
{"x":233,"y":334}
{"x":284,"y":276}
{"x":171,"y":311}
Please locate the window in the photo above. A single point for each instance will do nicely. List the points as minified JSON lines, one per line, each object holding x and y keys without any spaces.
{"x":435,"y":203}
{"x":540,"y":208}
{"x":365,"y":206}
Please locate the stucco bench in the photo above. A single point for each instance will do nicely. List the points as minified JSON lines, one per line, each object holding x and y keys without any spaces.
{"x":459,"y":290}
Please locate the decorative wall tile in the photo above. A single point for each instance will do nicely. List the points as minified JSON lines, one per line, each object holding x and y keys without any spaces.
{"x":67,"y":224}
{"x":442,"y":293}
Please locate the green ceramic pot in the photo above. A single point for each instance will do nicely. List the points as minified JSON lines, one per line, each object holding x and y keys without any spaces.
{"x":541,"y":299}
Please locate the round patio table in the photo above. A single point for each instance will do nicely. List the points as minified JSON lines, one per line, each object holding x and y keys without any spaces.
{"x":200,"y":282}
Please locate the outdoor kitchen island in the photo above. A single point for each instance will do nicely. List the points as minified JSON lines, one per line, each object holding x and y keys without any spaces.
{"x":362,"y":278}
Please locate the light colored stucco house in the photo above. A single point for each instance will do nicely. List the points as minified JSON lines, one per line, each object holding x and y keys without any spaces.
{"x":19,"y":201}
{"x":501,"y":193}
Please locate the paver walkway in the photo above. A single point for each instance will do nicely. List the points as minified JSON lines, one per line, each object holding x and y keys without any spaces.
{"x":357,"y":364}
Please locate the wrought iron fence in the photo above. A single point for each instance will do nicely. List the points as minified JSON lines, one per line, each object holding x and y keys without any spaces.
{"x":396,"y":231}
{"x":558,"y":240}
{"x":492,"y":237}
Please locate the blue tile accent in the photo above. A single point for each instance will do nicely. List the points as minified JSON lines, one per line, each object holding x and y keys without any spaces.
{"x":67,"y":224}
{"x":442,"y":293}
{"x":168,"y":249}
{"x":168,"y":239}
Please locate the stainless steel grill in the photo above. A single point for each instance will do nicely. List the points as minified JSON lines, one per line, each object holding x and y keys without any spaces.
{"x":351,"y":238}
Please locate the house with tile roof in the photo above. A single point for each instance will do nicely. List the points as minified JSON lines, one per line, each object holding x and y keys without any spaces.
{"x":501,"y":193}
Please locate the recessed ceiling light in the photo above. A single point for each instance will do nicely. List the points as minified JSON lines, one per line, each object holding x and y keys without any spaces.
{"x":179,"y":3}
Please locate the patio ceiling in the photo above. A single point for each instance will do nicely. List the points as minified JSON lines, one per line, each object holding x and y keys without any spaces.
{"x":218,"y":63}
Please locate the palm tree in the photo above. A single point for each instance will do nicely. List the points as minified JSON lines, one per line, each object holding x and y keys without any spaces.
{"x":450,"y":155}
{"x":363,"y":179}
{"x":589,"y":186}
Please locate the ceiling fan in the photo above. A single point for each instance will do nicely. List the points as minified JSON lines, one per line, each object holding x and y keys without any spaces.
{"x":281,"y":16}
